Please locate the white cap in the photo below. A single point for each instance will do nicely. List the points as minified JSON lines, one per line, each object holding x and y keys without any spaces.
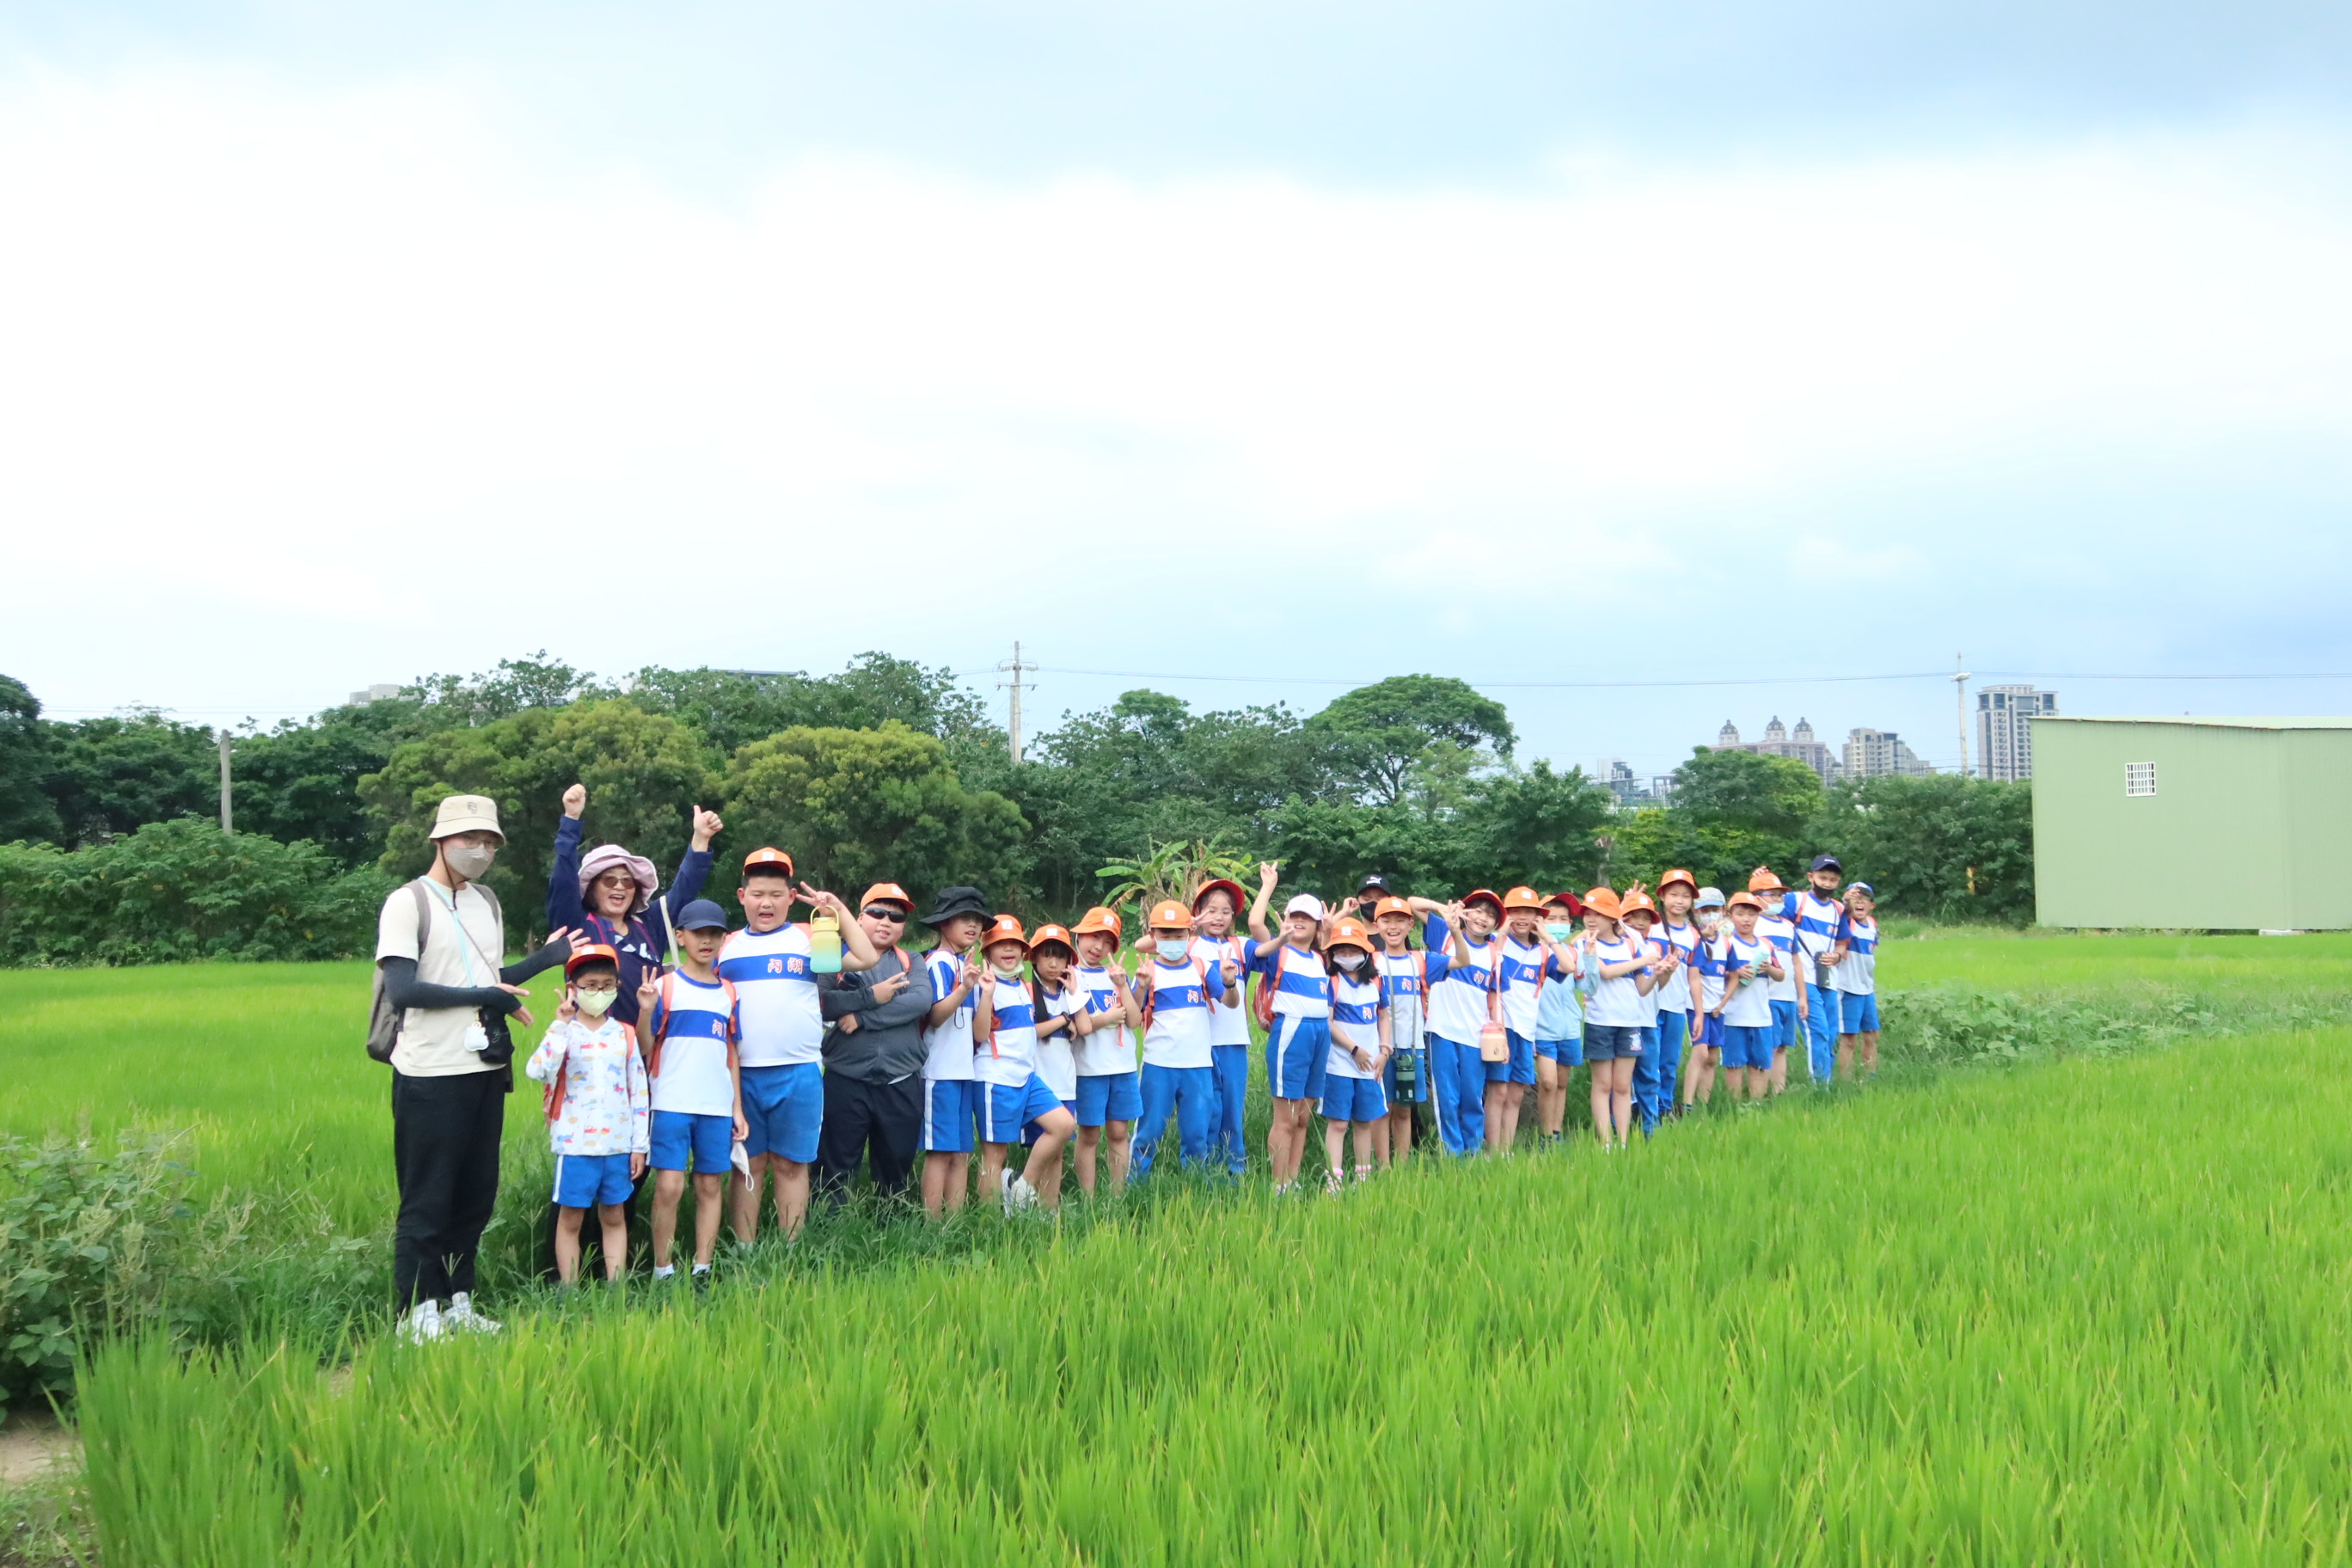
{"x":1708,"y":899}
{"x":1306,"y":904}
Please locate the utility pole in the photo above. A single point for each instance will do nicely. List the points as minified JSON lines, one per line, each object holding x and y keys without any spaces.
{"x":1016,"y":669}
{"x":1960,"y":707}
{"x":226,"y":817}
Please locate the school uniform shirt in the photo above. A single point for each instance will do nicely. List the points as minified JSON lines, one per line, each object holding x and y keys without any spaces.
{"x":1105,"y":1051}
{"x":1856,"y":973}
{"x":948,"y":1049}
{"x":783,"y":1021}
{"x":1056,"y":1064}
{"x":693,"y":1024}
{"x":1711,"y":970}
{"x":1302,"y":987}
{"x":1651,"y":1001}
{"x":1227,"y":1025}
{"x":1458,"y":1004}
{"x":463,"y":945}
{"x":605,"y":1108}
{"x":1782,"y":934}
{"x":1526,"y":966}
{"x":1674,"y":996}
{"x":1617,"y":1003}
{"x":1559,"y":1011}
{"x":1009,"y":1053}
{"x":1820,"y":924}
{"x":1183,"y":996}
{"x":1750,"y":1007}
{"x":1355,"y":1021}
{"x":1403,"y":979}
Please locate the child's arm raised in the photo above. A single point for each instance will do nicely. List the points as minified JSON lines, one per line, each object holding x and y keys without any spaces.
{"x":944,"y":1008}
{"x":1268,"y":873}
{"x":984,"y":1018}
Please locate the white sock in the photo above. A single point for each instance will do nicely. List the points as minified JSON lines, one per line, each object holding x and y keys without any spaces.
{"x":702,"y":1268}
{"x":664,"y":1271}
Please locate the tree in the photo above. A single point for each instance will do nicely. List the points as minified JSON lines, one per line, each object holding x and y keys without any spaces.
{"x":26,"y":808}
{"x":1943,"y":847}
{"x":1537,"y":827}
{"x":514,"y":686}
{"x":733,"y":708}
{"x":643,"y":773}
{"x":1769,"y":794}
{"x":302,"y":780}
{"x":857,"y":807}
{"x":1379,"y":733}
{"x":107,"y":776}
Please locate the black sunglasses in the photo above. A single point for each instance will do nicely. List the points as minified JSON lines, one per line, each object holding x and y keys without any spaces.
{"x":885,"y":912}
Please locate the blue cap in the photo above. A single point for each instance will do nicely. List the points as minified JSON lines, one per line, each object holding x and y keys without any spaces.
{"x":1863,"y":888}
{"x":701,"y":915}
{"x":1708,"y":899}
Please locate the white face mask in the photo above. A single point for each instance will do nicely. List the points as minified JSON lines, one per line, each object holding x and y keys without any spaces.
{"x":1349,"y":960}
{"x":468,"y":860}
{"x":593,"y":1003}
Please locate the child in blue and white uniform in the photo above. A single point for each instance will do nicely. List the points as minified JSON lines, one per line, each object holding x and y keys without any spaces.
{"x":1181,"y":988}
{"x":1616,"y":1014}
{"x":689,"y":1024}
{"x":1014,"y":1098}
{"x":1707,"y":971}
{"x":1819,"y":916}
{"x":1638,"y":919}
{"x":1750,"y":966}
{"x":1675,"y":932}
{"x":1458,"y":1006}
{"x":1524,"y":961}
{"x":1787,"y":991}
{"x":598,"y":1112}
{"x":1110,"y":1096}
{"x":770,"y":964}
{"x":1353,"y":1101}
{"x":1857,"y":983}
{"x":1294,"y":991}
{"x":1215,"y":908}
{"x":1407,"y":974}
{"x":1560,"y":1020}
{"x":950,"y":1100}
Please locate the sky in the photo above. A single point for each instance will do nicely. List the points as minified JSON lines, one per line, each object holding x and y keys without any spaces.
{"x":1646,"y":367}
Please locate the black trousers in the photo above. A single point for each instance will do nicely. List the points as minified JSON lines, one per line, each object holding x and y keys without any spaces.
{"x":880,"y":1123}
{"x":445,"y":1151}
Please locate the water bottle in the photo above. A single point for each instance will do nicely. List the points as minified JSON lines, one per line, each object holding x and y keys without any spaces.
{"x":1408,"y":1075}
{"x":825,"y":945}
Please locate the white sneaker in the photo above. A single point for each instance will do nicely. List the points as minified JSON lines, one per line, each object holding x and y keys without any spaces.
{"x":1019,"y":1194}
{"x":462,"y":1316}
{"x":423,"y":1323}
{"x":1004,"y":1180}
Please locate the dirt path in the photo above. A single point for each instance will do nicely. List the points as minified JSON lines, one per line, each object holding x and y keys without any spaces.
{"x":36,"y":1448}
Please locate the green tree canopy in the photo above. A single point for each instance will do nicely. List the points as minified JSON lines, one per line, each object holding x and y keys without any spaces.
{"x":857,"y":807}
{"x":733,"y":708}
{"x":1942,"y":846}
{"x":643,"y":773}
{"x":1741,"y":789}
{"x":301,"y":781}
{"x":107,"y":776}
{"x":1379,"y":734}
{"x":26,"y":808}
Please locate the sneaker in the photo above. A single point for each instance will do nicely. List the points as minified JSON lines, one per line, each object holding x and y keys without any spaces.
{"x":702,"y":1281}
{"x":1019,"y":1194}
{"x":461,"y":1316}
{"x":423,"y":1323}
{"x":1004,"y":1180}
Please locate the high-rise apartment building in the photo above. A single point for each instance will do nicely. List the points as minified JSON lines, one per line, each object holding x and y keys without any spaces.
{"x":1780,"y":740}
{"x":2005,"y":716}
{"x":1879,"y":753}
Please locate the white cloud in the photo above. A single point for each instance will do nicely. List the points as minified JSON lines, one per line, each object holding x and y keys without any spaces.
{"x":267,"y":352}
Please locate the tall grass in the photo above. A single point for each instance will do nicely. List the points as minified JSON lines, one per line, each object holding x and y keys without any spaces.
{"x":2083,"y":1312}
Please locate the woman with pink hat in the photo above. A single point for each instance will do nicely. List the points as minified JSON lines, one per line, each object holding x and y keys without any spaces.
{"x":608,"y":894}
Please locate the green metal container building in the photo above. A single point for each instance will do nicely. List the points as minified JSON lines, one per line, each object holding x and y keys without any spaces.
{"x":2230,"y":823}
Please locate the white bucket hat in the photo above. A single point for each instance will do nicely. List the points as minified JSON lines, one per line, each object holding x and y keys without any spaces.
{"x":466,"y":814}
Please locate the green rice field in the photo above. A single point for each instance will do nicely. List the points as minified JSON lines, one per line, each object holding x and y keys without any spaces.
{"x":2087,"y":1308}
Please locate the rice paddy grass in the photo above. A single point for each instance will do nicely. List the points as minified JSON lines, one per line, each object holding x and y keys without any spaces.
{"x":2081,"y":1312}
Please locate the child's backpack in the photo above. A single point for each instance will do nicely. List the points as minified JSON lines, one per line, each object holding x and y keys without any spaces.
{"x":1152,"y":991}
{"x":383,"y":1018}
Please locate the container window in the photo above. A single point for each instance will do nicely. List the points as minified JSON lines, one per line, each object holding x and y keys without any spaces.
{"x":2139,"y":778}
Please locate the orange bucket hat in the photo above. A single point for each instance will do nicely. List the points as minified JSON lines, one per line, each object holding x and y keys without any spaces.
{"x":1169,"y":915}
{"x":1348,"y":933}
{"x":1763,"y":880}
{"x":1677,"y":875}
{"x":1004,"y":927}
{"x":1602,"y":901}
{"x":1636,"y":903}
{"x":1100,"y":921}
{"x":1047,"y":934}
{"x":1743,"y":901}
{"x":1522,"y":899}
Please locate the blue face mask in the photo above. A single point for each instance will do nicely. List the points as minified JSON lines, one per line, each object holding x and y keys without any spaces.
{"x":1559,"y":932}
{"x":1172,"y":949}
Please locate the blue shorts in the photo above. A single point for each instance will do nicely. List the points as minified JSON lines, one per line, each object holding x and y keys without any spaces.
{"x":1569,"y":1052}
{"x":785,"y":1107}
{"x":1858,"y":1013}
{"x":1749,"y":1045}
{"x":1109,"y":1096}
{"x":947,"y":1105}
{"x":1007,"y":1108}
{"x":1420,"y":1095}
{"x":1785,"y":1026}
{"x":1297,"y":1052}
{"x":584,"y":1181}
{"x":1519,"y":1067}
{"x":1707,"y":1031}
{"x":1612,"y":1042}
{"x":1353,"y":1099}
{"x":710,"y":1139}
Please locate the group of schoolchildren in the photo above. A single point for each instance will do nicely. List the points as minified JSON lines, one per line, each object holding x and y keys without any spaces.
{"x":1042,"y":1041}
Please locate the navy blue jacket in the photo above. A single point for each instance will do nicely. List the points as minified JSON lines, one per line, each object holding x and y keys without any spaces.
{"x":640,"y":941}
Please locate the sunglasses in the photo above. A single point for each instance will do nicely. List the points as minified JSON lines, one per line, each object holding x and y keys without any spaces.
{"x":885,"y":912}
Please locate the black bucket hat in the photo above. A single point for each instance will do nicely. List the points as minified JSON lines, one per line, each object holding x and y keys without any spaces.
{"x":954,"y":901}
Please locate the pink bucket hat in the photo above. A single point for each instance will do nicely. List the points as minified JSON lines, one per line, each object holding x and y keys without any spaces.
{"x":604,"y":856}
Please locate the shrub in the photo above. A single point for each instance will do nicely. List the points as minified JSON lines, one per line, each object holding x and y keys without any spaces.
{"x":182,"y":890}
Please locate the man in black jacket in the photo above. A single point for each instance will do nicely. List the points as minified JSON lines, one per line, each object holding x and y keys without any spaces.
{"x":873,"y":1057}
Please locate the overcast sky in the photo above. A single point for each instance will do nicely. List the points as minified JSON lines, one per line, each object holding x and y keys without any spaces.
{"x":1556,"y":342}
